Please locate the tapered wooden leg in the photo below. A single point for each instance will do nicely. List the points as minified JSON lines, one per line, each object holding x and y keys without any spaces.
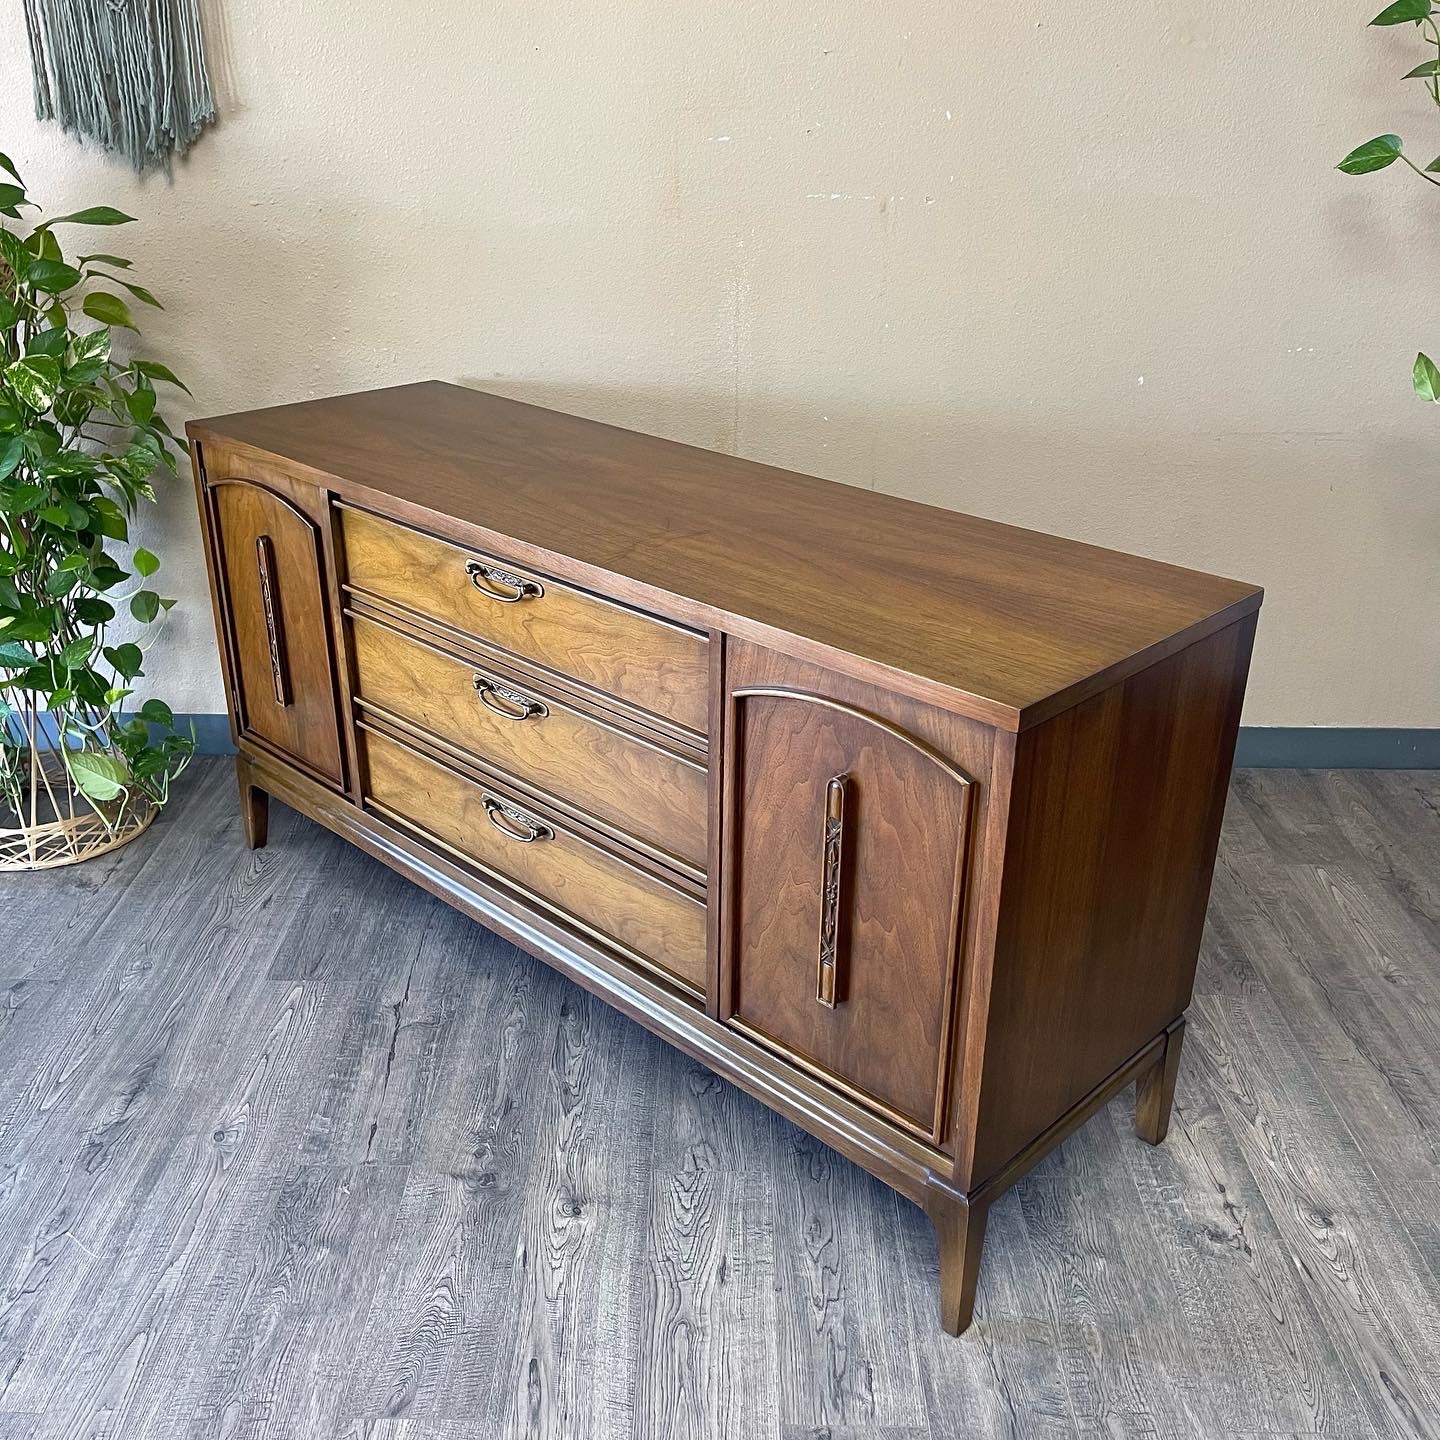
{"x":960,"y":1234}
{"x":1155,"y":1089}
{"x":254,"y":806}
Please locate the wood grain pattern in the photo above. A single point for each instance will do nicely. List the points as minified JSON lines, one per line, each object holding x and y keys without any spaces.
{"x":1107,"y":872}
{"x":646,"y":791}
{"x":898,"y":893}
{"x":1022,"y":624}
{"x":648,"y":918}
{"x":922,"y":1029}
{"x":1155,"y":1089}
{"x":939,"y":935}
{"x":654,"y":665}
{"x":276,"y":620}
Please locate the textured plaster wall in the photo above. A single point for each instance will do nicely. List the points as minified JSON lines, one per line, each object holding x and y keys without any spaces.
{"x":1085,"y":268}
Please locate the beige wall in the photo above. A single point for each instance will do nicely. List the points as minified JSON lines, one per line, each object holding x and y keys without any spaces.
{"x":1085,"y":268}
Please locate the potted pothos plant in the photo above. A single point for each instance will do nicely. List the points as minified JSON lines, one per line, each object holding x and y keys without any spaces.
{"x":84,"y":764}
{"x":1385,"y":150}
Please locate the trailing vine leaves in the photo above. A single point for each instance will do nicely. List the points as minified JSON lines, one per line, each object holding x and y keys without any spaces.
{"x":81,"y":437}
{"x":1385,"y":150}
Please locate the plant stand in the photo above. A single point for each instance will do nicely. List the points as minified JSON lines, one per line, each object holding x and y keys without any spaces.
{"x":60,"y":826}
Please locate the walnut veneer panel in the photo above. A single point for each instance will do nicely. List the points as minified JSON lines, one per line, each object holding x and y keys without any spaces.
{"x":1020,"y":622}
{"x":274,"y":613}
{"x":654,"y":665}
{"x":635,"y":784}
{"x":648,"y":918}
{"x":853,"y":975}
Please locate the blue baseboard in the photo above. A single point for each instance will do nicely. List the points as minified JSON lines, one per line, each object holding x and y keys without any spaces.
{"x":212,"y":733}
{"x":1326,"y":747}
{"x":1318,"y":747}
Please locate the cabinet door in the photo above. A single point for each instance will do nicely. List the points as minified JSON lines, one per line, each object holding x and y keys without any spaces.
{"x":270,"y":571}
{"x":848,"y":841}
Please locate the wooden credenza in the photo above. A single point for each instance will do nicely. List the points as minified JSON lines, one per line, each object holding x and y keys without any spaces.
{"x":901,"y":820}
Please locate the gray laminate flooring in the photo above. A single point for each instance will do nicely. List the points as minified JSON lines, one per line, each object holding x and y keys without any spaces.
{"x":287,"y":1148}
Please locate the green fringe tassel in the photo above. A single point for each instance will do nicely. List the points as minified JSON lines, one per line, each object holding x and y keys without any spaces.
{"x":128,"y":74}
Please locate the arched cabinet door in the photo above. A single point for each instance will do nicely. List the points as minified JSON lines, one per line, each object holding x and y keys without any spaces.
{"x":270,"y":566}
{"x":847,"y":841}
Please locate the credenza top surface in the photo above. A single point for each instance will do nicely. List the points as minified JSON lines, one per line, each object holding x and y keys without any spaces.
{"x":1020,"y":622}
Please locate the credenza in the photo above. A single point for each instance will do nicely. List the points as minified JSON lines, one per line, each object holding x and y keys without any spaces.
{"x":900,"y":819}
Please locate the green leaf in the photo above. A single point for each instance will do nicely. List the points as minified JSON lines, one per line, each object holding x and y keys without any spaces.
{"x":95,"y":215}
{"x":1374,"y":154}
{"x":1424,"y":70}
{"x":92,"y":610}
{"x":19,"y":500}
{"x":154,"y":370}
{"x":60,"y":583}
{"x":76,"y":653}
{"x":35,"y":379}
{"x":8,"y":166}
{"x":43,"y":245}
{"x":75,"y":560}
{"x":108,"y":309}
{"x":146,"y":564}
{"x":12,"y":197}
{"x":103,"y":577}
{"x":14,"y":253}
{"x":10,"y":452}
{"x":118,"y":261}
{"x":101,"y":777}
{"x":14,"y":656}
{"x":141,"y":405}
{"x":139,"y":292}
{"x":145,"y":606}
{"x":93,"y":345}
{"x":1401,"y":11}
{"x":157,"y":712}
{"x":125,"y":659}
{"x":1427,"y":378}
{"x":48,"y":342}
{"x":53,"y":276}
{"x":113,"y":526}
{"x":9,"y":313}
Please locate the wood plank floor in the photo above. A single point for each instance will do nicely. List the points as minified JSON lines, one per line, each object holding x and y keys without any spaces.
{"x":289,"y":1149}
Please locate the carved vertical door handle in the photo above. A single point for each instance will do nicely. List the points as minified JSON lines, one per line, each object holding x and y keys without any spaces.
{"x":831,"y":877}
{"x":274,"y":621}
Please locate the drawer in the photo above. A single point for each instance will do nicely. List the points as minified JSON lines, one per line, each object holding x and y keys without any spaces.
{"x":651,"y":663}
{"x":634,"y":785}
{"x":650,"y":921}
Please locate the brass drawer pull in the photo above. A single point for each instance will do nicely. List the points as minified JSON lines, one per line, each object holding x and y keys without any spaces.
{"x":524,"y":707}
{"x":486,"y":577}
{"x":516,"y":824}
{"x":831,"y":878}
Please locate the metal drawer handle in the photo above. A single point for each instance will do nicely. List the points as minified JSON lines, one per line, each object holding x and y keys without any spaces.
{"x":525,"y":708}
{"x":486,"y":577}
{"x":832,"y":845}
{"x":516,"y":824}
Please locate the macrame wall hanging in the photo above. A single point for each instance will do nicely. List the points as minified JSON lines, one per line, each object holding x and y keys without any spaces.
{"x":128,"y":74}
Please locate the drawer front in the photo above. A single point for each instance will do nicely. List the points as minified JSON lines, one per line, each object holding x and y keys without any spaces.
{"x":654,"y":922}
{"x":639,"y":788}
{"x":848,"y":841}
{"x":650,"y":663}
{"x":269,"y":569}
